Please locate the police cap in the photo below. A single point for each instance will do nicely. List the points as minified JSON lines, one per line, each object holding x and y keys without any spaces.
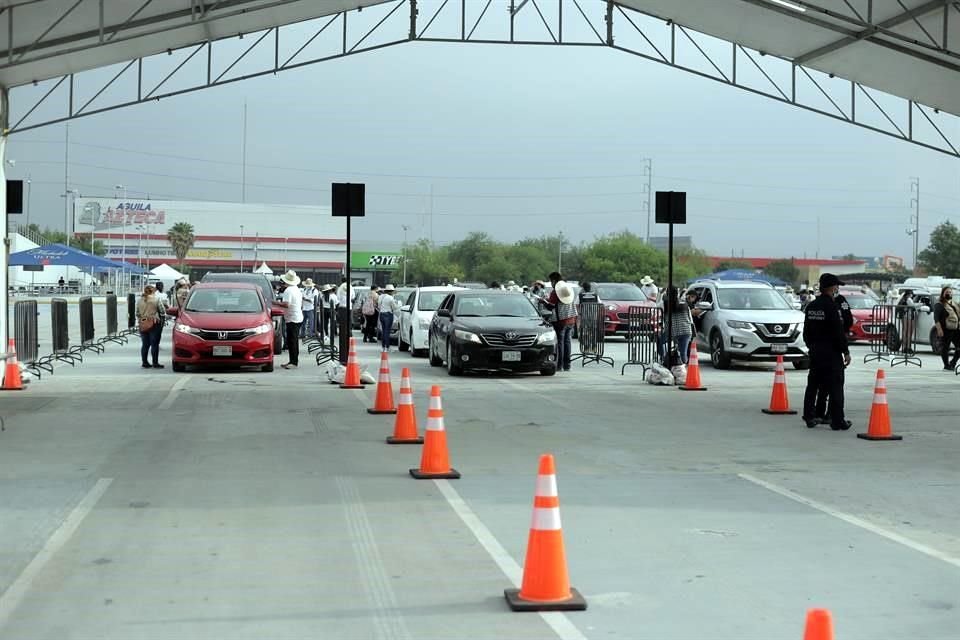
{"x":828,"y":280}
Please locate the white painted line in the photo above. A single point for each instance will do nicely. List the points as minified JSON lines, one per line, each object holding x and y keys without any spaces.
{"x":14,"y":595}
{"x":557,"y":620}
{"x":855,"y":521}
{"x":174,"y":391}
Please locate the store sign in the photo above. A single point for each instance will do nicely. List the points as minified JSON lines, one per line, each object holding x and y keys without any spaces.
{"x":166,"y":252}
{"x":125,"y":214}
{"x":371,"y":261}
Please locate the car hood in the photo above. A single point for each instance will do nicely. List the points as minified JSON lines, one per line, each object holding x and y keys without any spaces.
{"x":223,"y":321}
{"x":623,"y":305}
{"x":783,"y":316}
{"x":862,"y":314}
{"x":498,"y":324}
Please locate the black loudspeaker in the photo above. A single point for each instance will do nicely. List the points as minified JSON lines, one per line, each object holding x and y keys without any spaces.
{"x":14,"y":196}
{"x":671,"y":207}
{"x":348,"y":200}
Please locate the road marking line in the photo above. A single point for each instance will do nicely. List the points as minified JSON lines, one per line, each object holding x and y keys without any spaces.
{"x":174,"y":391}
{"x":855,"y":521}
{"x":557,"y":620}
{"x":387,"y":618}
{"x":14,"y":595}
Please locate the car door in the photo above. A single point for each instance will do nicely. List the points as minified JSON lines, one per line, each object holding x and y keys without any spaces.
{"x":440,"y":326}
{"x":406,"y":313}
{"x":705,"y":294}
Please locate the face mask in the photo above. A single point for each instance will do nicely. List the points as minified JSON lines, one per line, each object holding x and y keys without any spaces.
{"x":948,"y":296}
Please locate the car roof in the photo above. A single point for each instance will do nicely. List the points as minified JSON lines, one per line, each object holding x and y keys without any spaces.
{"x":619,"y":284}
{"x":445,"y":287}
{"x":245,"y":286}
{"x":243,"y":276}
{"x":494,"y":292}
{"x":734,"y":284}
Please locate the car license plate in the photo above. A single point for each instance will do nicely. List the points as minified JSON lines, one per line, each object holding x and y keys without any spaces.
{"x":222,"y":351}
{"x":778,"y":348}
{"x":511,"y":356}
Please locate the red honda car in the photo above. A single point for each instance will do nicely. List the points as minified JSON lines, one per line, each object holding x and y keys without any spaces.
{"x":224,"y":323}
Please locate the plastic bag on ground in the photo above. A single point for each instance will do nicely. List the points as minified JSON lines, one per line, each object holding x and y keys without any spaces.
{"x":657,"y":374}
{"x":679,"y":373}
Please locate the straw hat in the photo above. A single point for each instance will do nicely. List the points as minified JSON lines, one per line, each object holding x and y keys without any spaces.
{"x":389,"y":288}
{"x":564,"y":292}
{"x":646,"y":280}
{"x":290,"y":278}
{"x":308,"y":282}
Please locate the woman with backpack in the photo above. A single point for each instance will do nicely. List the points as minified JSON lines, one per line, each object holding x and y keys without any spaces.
{"x":370,"y":315}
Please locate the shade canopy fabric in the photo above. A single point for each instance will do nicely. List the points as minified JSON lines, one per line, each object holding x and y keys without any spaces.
{"x":264,"y":269}
{"x":166,"y":272}
{"x":62,"y":255}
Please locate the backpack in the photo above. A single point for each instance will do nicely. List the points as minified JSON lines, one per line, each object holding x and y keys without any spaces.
{"x":369,"y":306}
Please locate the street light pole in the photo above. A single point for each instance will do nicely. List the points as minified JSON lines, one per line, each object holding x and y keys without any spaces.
{"x":405,"y":229}
{"x":241,"y":248}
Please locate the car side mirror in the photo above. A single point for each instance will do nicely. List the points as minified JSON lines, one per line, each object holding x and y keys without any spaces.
{"x":173,"y":311}
{"x":276,"y":312}
{"x":405,"y":308}
{"x":704,"y":306}
{"x":546,"y":313}
{"x":444,"y":313}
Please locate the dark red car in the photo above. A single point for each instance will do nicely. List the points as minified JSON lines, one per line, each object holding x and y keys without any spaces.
{"x":617,"y":298}
{"x":861,"y":306}
{"x":224,"y":323}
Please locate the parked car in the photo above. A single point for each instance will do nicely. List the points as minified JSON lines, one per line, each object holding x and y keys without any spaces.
{"x":617,"y":298}
{"x":416,"y":314}
{"x":401,"y":294}
{"x":748,"y":321}
{"x":266,"y":289}
{"x":861,"y":307}
{"x":491,"y":330}
{"x":224,"y":323}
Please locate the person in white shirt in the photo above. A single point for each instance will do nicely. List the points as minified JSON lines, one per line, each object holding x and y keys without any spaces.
{"x":387,"y":306}
{"x":292,"y":301}
{"x":649,"y":289}
{"x":310,"y":294}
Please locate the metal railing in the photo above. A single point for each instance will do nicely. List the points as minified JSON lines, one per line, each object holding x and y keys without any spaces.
{"x":26,"y":337}
{"x":591,"y":335}
{"x":643,"y":325}
{"x":893,"y":335}
{"x":88,"y":340}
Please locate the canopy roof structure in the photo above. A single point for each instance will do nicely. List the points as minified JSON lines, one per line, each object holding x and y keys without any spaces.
{"x":62,"y":255}
{"x":166,"y":272}
{"x":743,"y":275}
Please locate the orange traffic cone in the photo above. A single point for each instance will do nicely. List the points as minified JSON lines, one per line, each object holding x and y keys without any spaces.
{"x":11,"y":376}
{"x":405,"y":426}
{"x":879,"y":426}
{"x":352,"y":378}
{"x":545,"y":585}
{"x":819,"y":625}
{"x":692,"y":382}
{"x":384,"y":401}
{"x":779,"y":400}
{"x":435,"y":462}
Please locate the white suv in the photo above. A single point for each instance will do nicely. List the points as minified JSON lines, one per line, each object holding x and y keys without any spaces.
{"x":416,"y":314}
{"x":748,"y":321}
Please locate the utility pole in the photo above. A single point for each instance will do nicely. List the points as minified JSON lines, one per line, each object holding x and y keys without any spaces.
{"x":431,"y":214}
{"x":405,"y":229}
{"x":241,"y":248}
{"x":243,"y":176}
{"x":914,"y":229}
{"x":648,"y":171}
{"x":560,"y":254}
{"x":66,"y":185}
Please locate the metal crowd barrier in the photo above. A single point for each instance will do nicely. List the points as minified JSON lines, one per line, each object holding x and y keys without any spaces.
{"x":327,"y":351}
{"x":893,"y":335}
{"x":26,"y":337}
{"x":87,"y":331}
{"x":60,"y":329}
{"x":643,"y":324}
{"x":112,"y":329}
{"x":591,"y":335}
{"x":131,"y":314}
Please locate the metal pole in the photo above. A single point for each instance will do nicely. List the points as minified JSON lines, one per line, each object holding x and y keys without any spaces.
{"x":560,"y":254}
{"x":648,"y":169}
{"x":345,"y":328}
{"x":243,"y":178}
{"x":405,"y":229}
{"x":285,"y":253}
{"x":66,"y":185}
{"x":668,"y":305}
{"x":241,"y":248}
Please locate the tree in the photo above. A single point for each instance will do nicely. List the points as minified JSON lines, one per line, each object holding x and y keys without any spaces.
{"x":690,"y":263}
{"x":785,"y":270}
{"x":623,"y":257}
{"x":81,"y":242}
{"x":181,"y":240}
{"x":427,"y":265}
{"x":942,"y":255}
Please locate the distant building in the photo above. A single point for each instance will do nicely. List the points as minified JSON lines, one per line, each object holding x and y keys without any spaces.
{"x":809,"y":268}
{"x":679,"y":242}
{"x":879,"y":263}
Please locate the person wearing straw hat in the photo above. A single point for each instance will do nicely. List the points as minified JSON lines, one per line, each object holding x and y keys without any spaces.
{"x":386,"y":306}
{"x":310,"y":294}
{"x":649,"y":289}
{"x":561,"y":301}
{"x":292,"y":302}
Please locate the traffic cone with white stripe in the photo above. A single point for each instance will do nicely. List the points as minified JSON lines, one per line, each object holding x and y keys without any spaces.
{"x":12,"y":381}
{"x":545,"y":586}
{"x":405,"y":426}
{"x":779,"y":399}
{"x":384,"y":400}
{"x":435,"y":461}
{"x":692,"y":383}
{"x":819,"y":625}
{"x":879,"y":426}
{"x":351,"y":379}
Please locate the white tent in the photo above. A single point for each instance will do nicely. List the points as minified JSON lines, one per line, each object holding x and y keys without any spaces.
{"x":264,"y":269}
{"x":165,"y":273}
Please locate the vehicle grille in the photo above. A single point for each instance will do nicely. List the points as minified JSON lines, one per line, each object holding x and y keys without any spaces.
{"x":623,"y":316}
{"x":872,"y":328}
{"x":499,"y":340}
{"x":209,"y":334}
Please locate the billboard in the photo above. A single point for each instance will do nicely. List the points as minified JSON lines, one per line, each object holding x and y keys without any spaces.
{"x":375,"y":261}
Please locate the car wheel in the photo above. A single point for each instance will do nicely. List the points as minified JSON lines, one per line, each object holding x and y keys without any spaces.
{"x":178,"y":367}
{"x":936,"y":342}
{"x":453,"y":368}
{"x":548,"y":371}
{"x":718,"y":357}
{"x":435,"y":361}
{"x":801,"y":364}
{"x":403,"y":346}
{"x":267,"y":368}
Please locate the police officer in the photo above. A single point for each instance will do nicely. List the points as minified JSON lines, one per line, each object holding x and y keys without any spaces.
{"x":821,"y":409}
{"x":824,"y":333}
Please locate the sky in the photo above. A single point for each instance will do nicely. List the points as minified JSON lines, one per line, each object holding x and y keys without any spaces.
{"x":514,"y":141}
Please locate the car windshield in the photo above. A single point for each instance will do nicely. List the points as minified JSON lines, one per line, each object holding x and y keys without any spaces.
{"x":265,"y":287}
{"x":620,"y":292}
{"x":430,"y":300}
{"x":861,"y":302}
{"x":755,"y":299}
{"x":224,"y":301}
{"x":516,"y":306}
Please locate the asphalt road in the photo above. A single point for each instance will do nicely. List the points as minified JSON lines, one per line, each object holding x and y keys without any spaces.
{"x":146,"y":504}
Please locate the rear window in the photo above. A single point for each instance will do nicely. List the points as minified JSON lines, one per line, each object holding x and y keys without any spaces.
{"x":224,"y":301}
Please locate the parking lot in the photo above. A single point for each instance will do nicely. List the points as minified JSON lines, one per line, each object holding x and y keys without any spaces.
{"x":148,"y":504}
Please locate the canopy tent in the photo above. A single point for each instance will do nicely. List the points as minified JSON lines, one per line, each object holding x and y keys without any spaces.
{"x":166,"y":273}
{"x":744,"y":275}
{"x":62,"y":255}
{"x":264,"y":269}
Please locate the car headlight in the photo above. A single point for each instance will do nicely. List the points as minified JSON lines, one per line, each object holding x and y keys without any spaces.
{"x":264,"y":328}
{"x":466,"y":335}
{"x":611,"y":307}
{"x":739,"y":324}
{"x":547,"y":337}
{"x":184,"y":328}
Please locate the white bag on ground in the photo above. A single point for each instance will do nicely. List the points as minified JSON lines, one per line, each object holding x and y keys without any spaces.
{"x":679,"y":373}
{"x":659,"y":375}
{"x":366,"y":377}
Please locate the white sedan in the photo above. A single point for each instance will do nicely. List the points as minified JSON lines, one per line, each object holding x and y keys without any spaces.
{"x":416,"y":314}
